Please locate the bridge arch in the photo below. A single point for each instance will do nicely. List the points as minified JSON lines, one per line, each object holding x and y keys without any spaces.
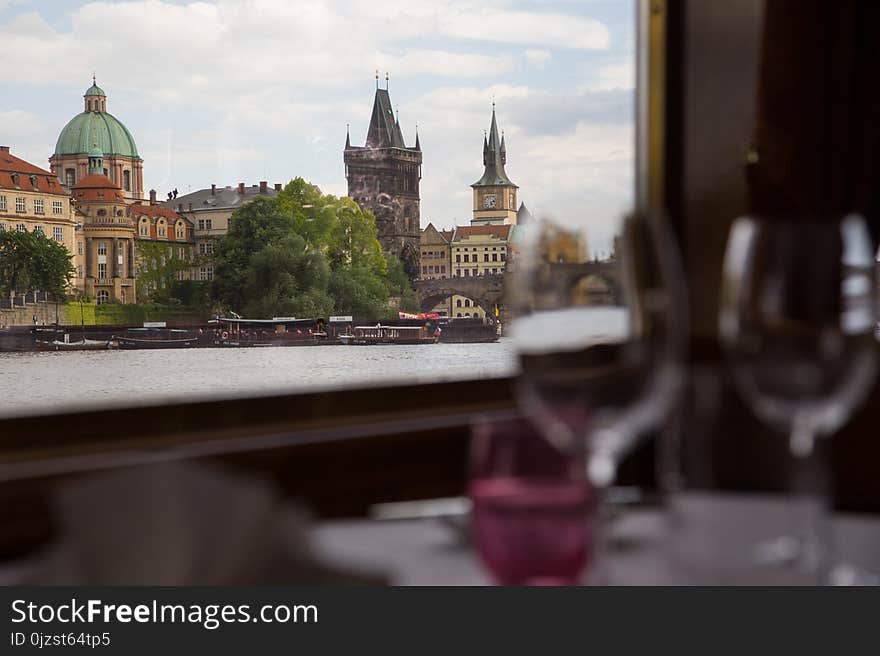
{"x":484,"y":291}
{"x":427,"y":303}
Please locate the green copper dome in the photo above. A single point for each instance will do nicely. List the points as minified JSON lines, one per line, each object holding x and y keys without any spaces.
{"x":94,"y":90}
{"x":96,"y":129}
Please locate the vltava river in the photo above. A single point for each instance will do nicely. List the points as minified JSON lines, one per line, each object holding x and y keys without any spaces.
{"x":39,"y":382}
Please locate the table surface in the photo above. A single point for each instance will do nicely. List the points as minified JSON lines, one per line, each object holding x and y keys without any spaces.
{"x":695,"y":539}
{"x":698,"y":539}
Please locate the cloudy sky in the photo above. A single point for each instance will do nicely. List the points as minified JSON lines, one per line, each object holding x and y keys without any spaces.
{"x":248,"y":90}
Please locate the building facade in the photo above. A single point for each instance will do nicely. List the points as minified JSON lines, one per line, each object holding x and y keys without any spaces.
{"x":126,"y":251}
{"x":165,"y":244}
{"x":96,"y":128}
{"x":383,"y":177}
{"x":106,"y":254}
{"x":32,"y":200}
{"x":480,"y":250}
{"x":434,"y":253}
{"x":434,"y":261}
{"x":210,"y":213}
{"x":495,"y":195}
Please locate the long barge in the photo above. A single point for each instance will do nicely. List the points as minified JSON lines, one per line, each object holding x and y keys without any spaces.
{"x":386,"y":334}
{"x":280,"y":331}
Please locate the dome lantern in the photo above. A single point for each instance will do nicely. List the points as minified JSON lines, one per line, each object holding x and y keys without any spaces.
{"x":96,"y":161}
{"x":95,"y":98}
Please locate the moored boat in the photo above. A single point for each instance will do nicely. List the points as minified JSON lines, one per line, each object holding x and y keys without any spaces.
{"x":383,"y":334}
{"x":81,"y":345}
{"x":468,"y":331}
{"x":280,"y":331}
{"x":154,"y":338}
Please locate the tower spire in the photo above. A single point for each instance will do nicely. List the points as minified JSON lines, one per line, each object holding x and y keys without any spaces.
{"x":386,"y":80}
{"x":377,"y":78}
{"x":347,"y":136}
{"x":494,"y":156}
{"x":418,"y":146}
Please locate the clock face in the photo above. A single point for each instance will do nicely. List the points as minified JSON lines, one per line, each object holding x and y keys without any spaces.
{"x":489,"y":201}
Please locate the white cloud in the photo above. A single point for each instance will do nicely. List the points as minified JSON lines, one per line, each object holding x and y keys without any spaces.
{"x":8,"y":4}
{"x":621,"y":75}
{"x":521,"y":27}
{"x":29,"y":137}
{"x":537,"y":58}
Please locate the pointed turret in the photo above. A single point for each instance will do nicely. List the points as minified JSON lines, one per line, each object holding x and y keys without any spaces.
{"x":418,"y":145}
{"x":523,"y":216}
{"x":494,"y":158}
{"x":384,"y":129}
{"x":347,"y":137}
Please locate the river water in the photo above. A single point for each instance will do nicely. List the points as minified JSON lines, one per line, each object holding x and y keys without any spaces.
{"x":46,"y":382}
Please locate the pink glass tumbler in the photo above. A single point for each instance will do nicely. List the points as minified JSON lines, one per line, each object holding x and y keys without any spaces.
{"x":533,"y":507}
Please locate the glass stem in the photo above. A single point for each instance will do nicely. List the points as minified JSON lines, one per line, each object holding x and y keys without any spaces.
{"x":601,"y":469}
{"x":809,"y":499}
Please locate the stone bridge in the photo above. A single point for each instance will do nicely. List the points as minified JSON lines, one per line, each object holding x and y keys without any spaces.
{"x":487,"y":291}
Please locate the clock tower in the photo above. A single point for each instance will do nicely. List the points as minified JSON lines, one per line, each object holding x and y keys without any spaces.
{"x":494,"y":193}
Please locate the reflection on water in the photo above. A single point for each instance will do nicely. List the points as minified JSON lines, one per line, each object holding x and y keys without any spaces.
{"x":50,"y":382}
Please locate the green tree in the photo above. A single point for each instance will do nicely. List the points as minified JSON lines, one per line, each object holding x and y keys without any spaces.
{"x":285,"y":278}
{"x":399,"y":285}
{"x":30,"y":261}
{"x":305,"y":253}
{"x":158,"y":270}
{"x":252,"y":226}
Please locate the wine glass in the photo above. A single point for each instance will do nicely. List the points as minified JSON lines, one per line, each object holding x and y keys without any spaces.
{"x":601,"y":342}
{"x":796,"y":322}
{"x":530,"y":502}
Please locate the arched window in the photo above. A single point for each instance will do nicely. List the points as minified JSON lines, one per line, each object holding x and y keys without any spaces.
{"x":102,"y":212}
{"x":70,"y":177}
{"x":181,"y":230}
{"x":161,"y":229}
{"x":458,"y":303}
{"x":467,"y":302}
{"x":145,"y":227}
{"x":103,"y":297}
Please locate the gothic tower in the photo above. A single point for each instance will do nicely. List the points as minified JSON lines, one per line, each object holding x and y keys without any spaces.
{"x":494,"y":193}
{"x":383,"y":177}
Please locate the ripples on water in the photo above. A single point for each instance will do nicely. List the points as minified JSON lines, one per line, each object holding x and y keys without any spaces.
{"x":42,"y":382}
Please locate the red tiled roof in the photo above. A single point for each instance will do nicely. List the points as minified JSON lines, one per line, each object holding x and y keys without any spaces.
{"x":499,"y":231}
{"x":447,"y":234}
{"x":96,"y":181}
{"x":47,"y":183}
{"x":156,"y":210}
{"x":97,"y":187}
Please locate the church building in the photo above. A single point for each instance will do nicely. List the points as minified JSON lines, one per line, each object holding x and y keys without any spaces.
{"x":96,"y":128}
{"x":383,"y":177}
